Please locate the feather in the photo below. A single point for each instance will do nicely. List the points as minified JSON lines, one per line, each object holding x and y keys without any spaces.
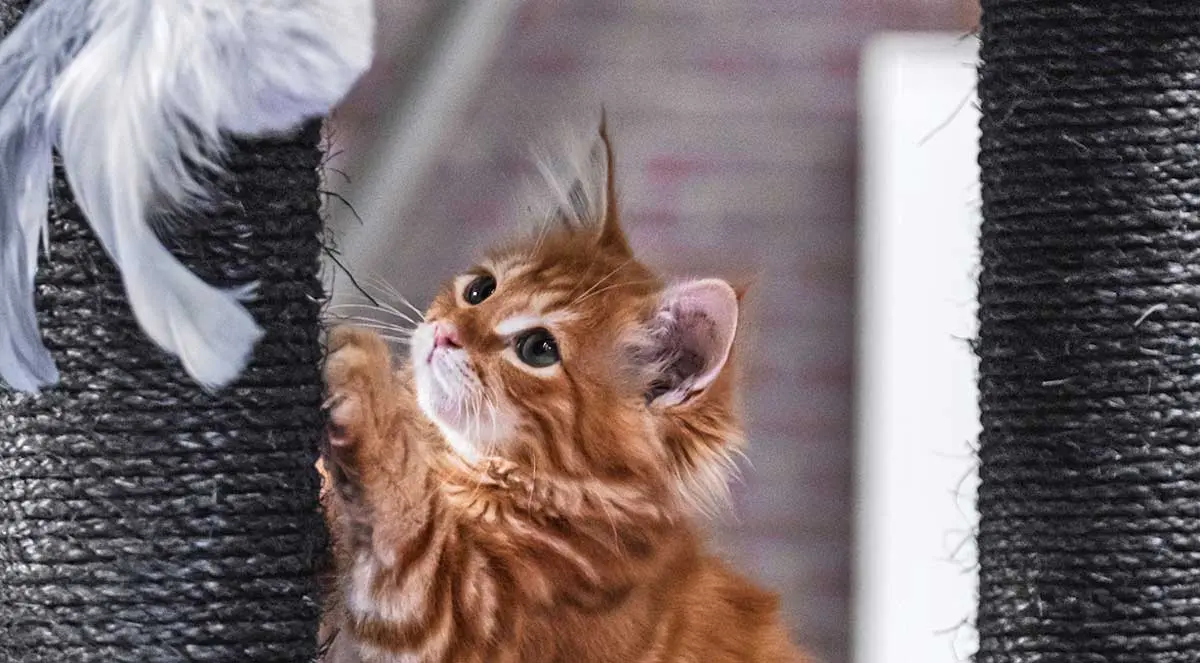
{"x":578,"y":184}
{"x":136,"y":94}
{"x":30,"y":60}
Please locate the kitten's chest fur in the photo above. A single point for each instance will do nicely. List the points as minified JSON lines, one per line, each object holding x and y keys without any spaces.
{"x":486,"y":578}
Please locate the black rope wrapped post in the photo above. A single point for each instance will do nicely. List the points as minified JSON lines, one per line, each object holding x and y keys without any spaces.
{"x":1089,"y":340}
{"x":141,"y":518}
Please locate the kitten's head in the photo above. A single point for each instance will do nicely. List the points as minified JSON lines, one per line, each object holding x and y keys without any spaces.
{"x":565,"y":355}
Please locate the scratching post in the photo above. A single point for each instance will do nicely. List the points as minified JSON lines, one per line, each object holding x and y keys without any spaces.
{"x":1089,"y":339}
{"x":141,"y":518}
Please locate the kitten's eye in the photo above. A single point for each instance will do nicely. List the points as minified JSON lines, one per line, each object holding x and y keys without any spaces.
{"x":479,"y":289}
{"x":537,"y":348}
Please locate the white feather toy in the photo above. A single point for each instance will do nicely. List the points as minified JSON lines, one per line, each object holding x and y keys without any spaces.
{"x":134,"y":94}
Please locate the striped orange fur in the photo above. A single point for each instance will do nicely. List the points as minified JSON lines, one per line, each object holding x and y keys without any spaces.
{"x":491,"y":502}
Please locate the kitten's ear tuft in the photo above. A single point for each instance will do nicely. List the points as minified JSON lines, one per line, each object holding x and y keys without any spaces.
{"x":588,"y":203}
{"x":612,"y":236}
{"x":692,"y":334}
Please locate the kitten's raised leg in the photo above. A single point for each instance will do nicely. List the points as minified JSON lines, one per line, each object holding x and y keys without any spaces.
{"x":370,"y":425}
{"x":380,"y":497}
{"x":378,"y":476}
{"x":357,"y":382}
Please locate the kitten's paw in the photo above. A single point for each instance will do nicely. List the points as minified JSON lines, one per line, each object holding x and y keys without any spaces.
{"x":357,"y":372}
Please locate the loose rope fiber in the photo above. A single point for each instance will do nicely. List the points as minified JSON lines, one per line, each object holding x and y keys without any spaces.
{"x":1089,"y":340}
{"x":142,"y":519}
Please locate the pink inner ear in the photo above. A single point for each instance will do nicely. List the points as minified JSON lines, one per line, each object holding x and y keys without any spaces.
{"x":706,"y":317}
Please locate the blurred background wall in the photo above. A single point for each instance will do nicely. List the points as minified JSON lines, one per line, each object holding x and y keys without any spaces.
{"x":736,"y":139}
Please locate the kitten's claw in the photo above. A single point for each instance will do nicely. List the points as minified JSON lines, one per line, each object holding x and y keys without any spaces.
{"x":343,"y":410}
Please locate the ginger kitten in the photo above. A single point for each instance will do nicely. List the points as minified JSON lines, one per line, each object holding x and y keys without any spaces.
{"x":523,"y":487}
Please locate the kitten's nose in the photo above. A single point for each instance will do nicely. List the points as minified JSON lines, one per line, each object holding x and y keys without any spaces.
{"x":445,"y":336}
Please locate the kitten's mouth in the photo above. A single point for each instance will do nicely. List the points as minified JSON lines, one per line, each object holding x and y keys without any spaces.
{"x":446,"y":360}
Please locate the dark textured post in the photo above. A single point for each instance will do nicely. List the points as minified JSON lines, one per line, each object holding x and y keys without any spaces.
{"x":142,"y":519}
{"x":1089,"y":341}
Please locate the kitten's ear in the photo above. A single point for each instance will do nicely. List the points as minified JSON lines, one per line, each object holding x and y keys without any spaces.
{"x":692,"y":334}
{"x":590,"y":201}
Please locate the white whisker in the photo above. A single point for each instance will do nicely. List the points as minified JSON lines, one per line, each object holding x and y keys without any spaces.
{"x":610,"y":287}
{"x":398,"y":313}
{"x":379,"y":308}
{"x":612,"y":523}
{"x":476,"y":418}
{"x":370,"y":323}
{"x":533,"y":482}
{"x":404,"y":300}
{"x":491,"y":408}
{"x":384,"y":307}
{"x":493,"y":431}
{"x":597,"y":284}
{"x":391,"y":291}
{"x":371,"y":307}
{"x":366,"y":318}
